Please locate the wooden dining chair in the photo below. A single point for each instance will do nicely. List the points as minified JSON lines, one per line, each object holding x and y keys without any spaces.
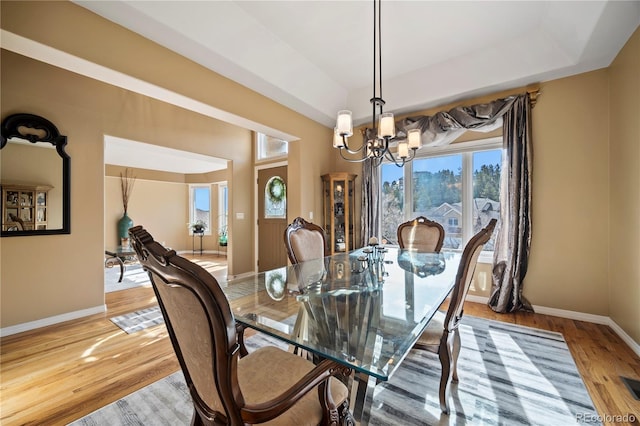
{"x":421,"y":234}
{"x":442,"y":335}
{"x":304,"y":241}
{"x":227,"y":384}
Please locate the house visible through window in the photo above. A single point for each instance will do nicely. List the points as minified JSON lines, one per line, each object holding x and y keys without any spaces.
{"x":200,"y":206}
{"x":457,"y":186}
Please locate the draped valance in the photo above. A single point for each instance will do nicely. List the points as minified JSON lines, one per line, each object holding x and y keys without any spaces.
{"x":513,"y":240}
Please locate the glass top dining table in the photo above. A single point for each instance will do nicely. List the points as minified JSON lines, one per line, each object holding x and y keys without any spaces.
{"x":364,"y":309}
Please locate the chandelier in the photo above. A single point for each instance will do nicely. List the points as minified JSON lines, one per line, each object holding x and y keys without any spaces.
{"x":377,"y":139}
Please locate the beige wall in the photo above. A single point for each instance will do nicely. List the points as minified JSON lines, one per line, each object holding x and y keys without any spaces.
{"x":574,"y":177}
{"x":86,"y":110}
{"x":160,"y":202}
{"x":161,"y":207}
{"x":624,"y":201}
{"x":568,"y":266}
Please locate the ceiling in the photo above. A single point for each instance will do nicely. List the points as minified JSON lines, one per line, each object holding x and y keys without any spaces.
{"x":128,"y":153}
{"x":316,"y":56}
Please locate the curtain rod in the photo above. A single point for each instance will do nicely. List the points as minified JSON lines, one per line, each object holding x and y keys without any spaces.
{"x":534,"y":92}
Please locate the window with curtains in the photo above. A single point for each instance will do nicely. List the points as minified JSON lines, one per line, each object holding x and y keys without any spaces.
{"x":457,"y":186}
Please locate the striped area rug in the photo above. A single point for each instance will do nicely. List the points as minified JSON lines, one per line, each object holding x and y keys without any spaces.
{"x":139,"y":320}
{"x":509,"y":375}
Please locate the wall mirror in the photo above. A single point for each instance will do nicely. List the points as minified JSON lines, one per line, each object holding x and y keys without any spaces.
{"x":34,"y":176}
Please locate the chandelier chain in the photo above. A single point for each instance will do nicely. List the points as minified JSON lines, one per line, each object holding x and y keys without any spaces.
{"x":375,"y":145}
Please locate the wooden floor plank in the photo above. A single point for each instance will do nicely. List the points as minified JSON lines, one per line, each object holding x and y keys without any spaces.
{"x":57,"y":374}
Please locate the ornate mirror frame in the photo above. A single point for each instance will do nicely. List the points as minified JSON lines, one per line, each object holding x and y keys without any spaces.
{"x":36,"y":129}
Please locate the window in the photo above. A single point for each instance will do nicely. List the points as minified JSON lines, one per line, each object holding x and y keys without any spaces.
{"x":269,"y":147}
{"x":200,"y":206}
{"x":457,"y":186}
{"x":223,"y":212}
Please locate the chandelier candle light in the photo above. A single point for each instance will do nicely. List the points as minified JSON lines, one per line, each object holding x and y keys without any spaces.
{"x":376,"y":148}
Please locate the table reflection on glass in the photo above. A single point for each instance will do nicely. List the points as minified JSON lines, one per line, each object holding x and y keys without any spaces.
{"x":363,"y":309}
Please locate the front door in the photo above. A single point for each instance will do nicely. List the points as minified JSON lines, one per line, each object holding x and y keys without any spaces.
{"x":272,"y":218}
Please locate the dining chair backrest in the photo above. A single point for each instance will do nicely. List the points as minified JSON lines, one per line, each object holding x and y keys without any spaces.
{"x":304,"y":241}
{"x":467,"y":268}
{"x":199,"y":321}
{"x":421,"y":234}
{"x":209,"y":346}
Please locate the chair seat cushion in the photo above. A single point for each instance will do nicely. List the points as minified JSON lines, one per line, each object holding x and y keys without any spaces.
{"x":432,"y":334}
{"x":269,"y":371}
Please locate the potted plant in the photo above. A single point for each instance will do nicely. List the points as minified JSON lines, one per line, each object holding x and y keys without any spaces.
{"x":222,"y":230}
{"x":198,"y":227}
{"x":222,"y":236}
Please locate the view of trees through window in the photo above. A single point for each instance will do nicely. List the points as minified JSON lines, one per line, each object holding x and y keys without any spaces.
{"x":437,"y":192}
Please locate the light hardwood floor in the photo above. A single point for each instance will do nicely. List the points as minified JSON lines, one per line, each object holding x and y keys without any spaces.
{"x":57,"y":374}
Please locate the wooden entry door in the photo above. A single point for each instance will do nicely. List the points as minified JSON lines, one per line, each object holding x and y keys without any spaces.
{"x":272,"y":222}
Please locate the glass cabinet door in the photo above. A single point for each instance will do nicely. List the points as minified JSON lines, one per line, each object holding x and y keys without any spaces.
{"x":338,"y":192}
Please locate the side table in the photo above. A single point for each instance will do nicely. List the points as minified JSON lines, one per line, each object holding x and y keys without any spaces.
{"x":193,"y":242}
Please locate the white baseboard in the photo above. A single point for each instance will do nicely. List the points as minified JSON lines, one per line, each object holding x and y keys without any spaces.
{"x":579,"y":316}
{"x":477,"y":299}
{"x":19,"y":328}
{"x":562,"y":313}
{"x":624,"y":336}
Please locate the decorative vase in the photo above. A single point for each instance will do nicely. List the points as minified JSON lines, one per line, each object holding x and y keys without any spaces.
{"x":124,"y":224}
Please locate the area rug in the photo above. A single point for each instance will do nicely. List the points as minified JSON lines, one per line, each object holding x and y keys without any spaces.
{"x":509,"y":375}
{"x":134,"y":276}
{"x":139,"y":320}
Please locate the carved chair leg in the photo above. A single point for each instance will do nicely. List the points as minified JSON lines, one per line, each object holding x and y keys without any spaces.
{"x":456,"y":353}
{"x":445,"y":353}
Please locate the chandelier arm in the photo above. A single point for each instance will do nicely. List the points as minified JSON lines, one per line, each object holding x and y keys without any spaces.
{"x":352,"y":160}
{"x":389,"y":155}
{"x":351,"y":150}
{"x":404,"y":161}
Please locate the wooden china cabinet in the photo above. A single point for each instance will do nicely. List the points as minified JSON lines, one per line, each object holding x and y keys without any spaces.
{"x":338,"y":190}
{"x":24,"y":206}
